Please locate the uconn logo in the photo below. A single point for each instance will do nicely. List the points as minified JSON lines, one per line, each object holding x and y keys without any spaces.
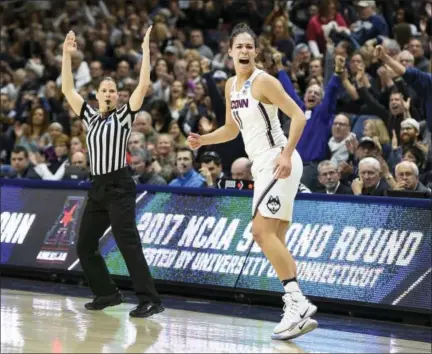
{"x":243,"y":103}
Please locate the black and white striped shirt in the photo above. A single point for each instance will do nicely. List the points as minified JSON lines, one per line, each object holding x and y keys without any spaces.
{"x":107,"y":138}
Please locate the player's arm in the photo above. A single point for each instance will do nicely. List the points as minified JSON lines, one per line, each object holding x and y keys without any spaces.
{"x":68,"y":88}
{"x":137,"y":97}
{"x":271,"y":89}
{"x":229,"y":130}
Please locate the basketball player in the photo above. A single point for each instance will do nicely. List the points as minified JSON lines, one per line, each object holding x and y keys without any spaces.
{"x":111,"y":198}
{"x":252,"y":101}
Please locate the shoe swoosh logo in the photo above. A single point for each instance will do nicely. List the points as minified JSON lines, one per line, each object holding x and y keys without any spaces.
{"x":302,"y":325}
{"x":304,"y":313}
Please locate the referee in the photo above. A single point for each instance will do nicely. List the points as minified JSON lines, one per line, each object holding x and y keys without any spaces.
{"x":111,"y":199}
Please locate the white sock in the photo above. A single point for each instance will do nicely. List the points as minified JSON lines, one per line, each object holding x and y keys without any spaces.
{"x":291,"y":287}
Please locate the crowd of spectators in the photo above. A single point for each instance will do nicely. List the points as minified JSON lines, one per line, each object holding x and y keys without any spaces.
{"x":367,"y":129}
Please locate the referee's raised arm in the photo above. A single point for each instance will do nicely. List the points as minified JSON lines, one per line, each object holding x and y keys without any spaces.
{"x":68,"y":87}
{"x":137,"y":97}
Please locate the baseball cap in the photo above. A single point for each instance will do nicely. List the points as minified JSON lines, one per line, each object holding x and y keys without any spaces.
{"x":410,"y":123}
{"x":366,"y":3}
{"x":220,"y":75}
{"x":367,"y":141}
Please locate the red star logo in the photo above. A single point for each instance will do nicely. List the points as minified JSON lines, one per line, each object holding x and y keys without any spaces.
{"x":67,"y":216}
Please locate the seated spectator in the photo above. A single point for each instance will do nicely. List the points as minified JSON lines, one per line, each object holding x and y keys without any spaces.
{"x":241,"y":169}
{"x":179,"y":140}
{"x":340,"y":133}
{"x":375,"y":129}
{"x":143,"y":124}
{"x":407,"y":178}
{"x":136,"y":141}
{"x":416,"y":154}
{"x":21,"y":167}
{"x":143,"y":172}
{"x":409,"y":133}
{"x":165,"y":158}
{"x":78,"y":168}
{"x":211,"y":167}
{"x":54,"y":169}
{"x":369,"y":181}
{"x":329,"y":176}
{"x":188,"y":177}
{"x":78,"y":143}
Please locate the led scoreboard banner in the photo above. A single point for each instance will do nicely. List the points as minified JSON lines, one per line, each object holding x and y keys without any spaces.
{"x":367,"y":250}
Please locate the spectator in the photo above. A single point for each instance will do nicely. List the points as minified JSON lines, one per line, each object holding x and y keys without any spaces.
{"x":327,"y":12}
{"x":211,"y":167}
{"x":415,"y":47}
{"x":142,"y":166}
{"x":21,"y":167}
{"x":165,"y":161}
{"x":241,"y":169}
{"x":421,"y":82}
{"x":319,"y":112}
{"x":341,"y":127}
{"x":188,"y":177}
{"x":370,"y":181}
{"x":78,"y":169}
{"x":143,"y":124}
{"x":407,"y":178}
{"x":329,"y":177}
{"x":197,"y":42}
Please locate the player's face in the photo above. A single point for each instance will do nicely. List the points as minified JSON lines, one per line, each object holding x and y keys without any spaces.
{"x":243,"y":52}
{"x":107,"y":95}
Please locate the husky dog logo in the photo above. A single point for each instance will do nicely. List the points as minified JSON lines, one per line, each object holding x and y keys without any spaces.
{"x":273,"y":204}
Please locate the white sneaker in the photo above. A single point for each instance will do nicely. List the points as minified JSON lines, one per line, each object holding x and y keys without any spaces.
{"x":297,"y":308}
{"x":305,"y":326}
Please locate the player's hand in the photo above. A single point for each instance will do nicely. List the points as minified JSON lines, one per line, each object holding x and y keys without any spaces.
{"x":283,"y":167}
{"x":194,"y":141}
{"x":70,"y":45}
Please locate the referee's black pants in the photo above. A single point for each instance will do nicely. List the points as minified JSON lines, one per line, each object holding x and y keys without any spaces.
{"x":111,"y":201}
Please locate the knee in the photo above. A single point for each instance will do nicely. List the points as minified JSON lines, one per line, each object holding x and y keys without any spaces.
{"x":258,"y":234}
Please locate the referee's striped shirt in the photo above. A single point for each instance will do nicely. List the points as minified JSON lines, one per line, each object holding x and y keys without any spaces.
{"x":107,"y":138}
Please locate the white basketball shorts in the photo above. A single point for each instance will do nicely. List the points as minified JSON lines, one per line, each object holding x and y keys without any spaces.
{"x":275,"y":198}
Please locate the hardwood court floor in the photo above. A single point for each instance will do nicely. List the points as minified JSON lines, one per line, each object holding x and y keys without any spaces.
{"x":43,"y":323}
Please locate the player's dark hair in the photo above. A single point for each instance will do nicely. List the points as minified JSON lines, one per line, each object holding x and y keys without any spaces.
{"x":243,"y":28}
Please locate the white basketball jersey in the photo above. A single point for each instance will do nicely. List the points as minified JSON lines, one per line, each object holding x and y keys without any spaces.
{"x":258,"y":121}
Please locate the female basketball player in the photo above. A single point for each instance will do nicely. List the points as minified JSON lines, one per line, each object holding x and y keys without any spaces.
{"x":252,"y":101}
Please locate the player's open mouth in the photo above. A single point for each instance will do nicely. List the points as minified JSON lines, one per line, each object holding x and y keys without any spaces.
{"x":244,"y":61}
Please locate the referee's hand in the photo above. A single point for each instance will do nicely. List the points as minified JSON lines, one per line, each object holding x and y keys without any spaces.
{"x":194,"y":141}
{"x":146,"y":40}
{"x":70,"y":45}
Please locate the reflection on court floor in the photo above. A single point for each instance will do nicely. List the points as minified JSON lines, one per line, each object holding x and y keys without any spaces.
{"x":36,"y":322}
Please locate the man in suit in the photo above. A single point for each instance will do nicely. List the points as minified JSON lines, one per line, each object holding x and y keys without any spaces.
{"x":370,"y":181}
{"x":329,"y":176}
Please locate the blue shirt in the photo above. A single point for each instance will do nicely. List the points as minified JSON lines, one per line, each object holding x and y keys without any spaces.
{"x":191,"y":179}
{"x":371,"y":28}
{"x":312,"y":145}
